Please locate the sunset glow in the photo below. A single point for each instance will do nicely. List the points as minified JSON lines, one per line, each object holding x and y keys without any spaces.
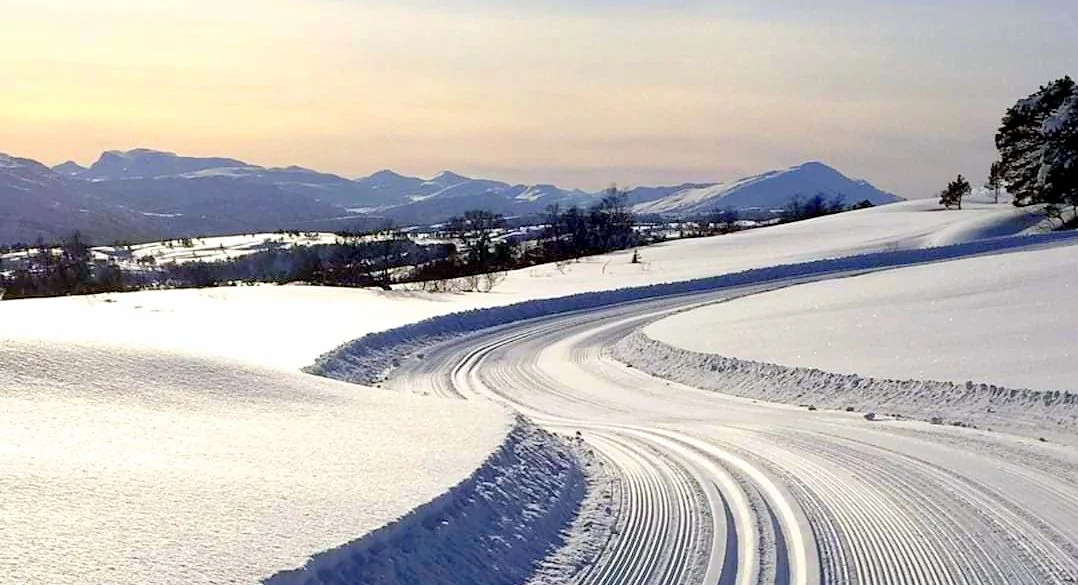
{"x":580,"y":95}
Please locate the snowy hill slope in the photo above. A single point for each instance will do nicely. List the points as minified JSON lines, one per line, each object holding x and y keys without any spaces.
{"x":997,"y":319}
{"x":770,"y":190}
{"x":137,"y":467}
{"x":248,"y":322}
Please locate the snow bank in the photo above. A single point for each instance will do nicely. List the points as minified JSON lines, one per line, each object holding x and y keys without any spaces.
{"x":369,"y":358}
{"x":495,"y":527}
{"x":1023,"y":411}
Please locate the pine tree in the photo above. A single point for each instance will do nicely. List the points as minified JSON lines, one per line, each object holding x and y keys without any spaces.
{"x":995,"y":180}
{"x":955,"y":191}
{"x":1036,"y":139}
{"x":1058,"y":176}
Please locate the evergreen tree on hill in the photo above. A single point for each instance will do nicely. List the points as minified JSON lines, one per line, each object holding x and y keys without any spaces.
{"x":1038,"y":146}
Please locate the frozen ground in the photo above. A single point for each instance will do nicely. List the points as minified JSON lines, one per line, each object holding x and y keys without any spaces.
{"x":1000,"y":319}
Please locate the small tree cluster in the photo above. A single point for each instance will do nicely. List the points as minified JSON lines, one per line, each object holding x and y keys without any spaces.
{"x":801,"y":208}
{"x":66,"y":269}
{"x":69,"y":268}
{"x":574,"y":232}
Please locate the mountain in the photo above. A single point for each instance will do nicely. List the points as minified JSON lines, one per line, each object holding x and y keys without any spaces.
{"x":144,"y":163}
{"x":447,"y":195}
{"x":36,"y":201}
{"x":218,"y":205}
{"x":151,"y":194}
{"x":766,"y":191}
{"x":70,"y":169}
{"x":39,"y":202}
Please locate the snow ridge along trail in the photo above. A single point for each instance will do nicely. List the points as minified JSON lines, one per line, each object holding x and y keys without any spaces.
{"x":720,"y":489}
{"x":497,"y":526}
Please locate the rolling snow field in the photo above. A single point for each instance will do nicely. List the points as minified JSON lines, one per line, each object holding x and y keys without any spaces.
{"x":168,"y":436}
{"x":128,"y":466}
{"x":1000,"y":319}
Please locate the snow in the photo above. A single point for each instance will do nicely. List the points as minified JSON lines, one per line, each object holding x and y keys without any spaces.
{"x":129,"y":466}
{"x":369,"y":358}
{"x":770,"y":190}
{"x":173,"y":426}
{"x":290,"y":326}
{"x":209,"y":249}
{"x":213,"y":249}
{"x":1032,"y":413}
{"x":899,"y":226}
{"x":497,"y":526}
{"x":999,"y":319}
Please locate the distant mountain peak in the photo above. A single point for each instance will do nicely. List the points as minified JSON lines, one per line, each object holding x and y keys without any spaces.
{"x":8,"y":161}
{"x":385,"y":174}
{"x":449,"y":177}
{"x":150,"y":152}
{"x":767,"y":191}
{"x":145,"y":163}
{"x":69,"y":168}
{"x":298,"y":169}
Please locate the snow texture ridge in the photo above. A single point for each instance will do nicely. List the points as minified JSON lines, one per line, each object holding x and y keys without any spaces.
{"x":500,"y":526}
{"x":981,"y":405}
{"x":367,"y":359}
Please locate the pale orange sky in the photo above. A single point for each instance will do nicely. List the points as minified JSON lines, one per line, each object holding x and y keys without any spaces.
{"x":580,"y":94}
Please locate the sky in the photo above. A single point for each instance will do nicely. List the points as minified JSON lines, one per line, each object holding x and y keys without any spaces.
{"x":580,"y":93}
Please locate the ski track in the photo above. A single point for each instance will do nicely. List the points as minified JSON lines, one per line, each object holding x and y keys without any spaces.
{"x":719,"y":489}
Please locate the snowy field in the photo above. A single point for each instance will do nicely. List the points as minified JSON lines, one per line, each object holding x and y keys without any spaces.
{"x":210,"y":249}
{"x":135,"y":467}
{"x":167,"y":436}
{"x":1001,"y":319}
{"x":289,"y":326}
{"x":215,"y":248}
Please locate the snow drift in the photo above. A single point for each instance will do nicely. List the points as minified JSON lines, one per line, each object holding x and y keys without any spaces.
{"x":496,"y":527}
{"x":1028,"y":412}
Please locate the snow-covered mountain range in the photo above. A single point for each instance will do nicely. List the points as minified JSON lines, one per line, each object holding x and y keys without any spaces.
{"x":145,"y":193}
